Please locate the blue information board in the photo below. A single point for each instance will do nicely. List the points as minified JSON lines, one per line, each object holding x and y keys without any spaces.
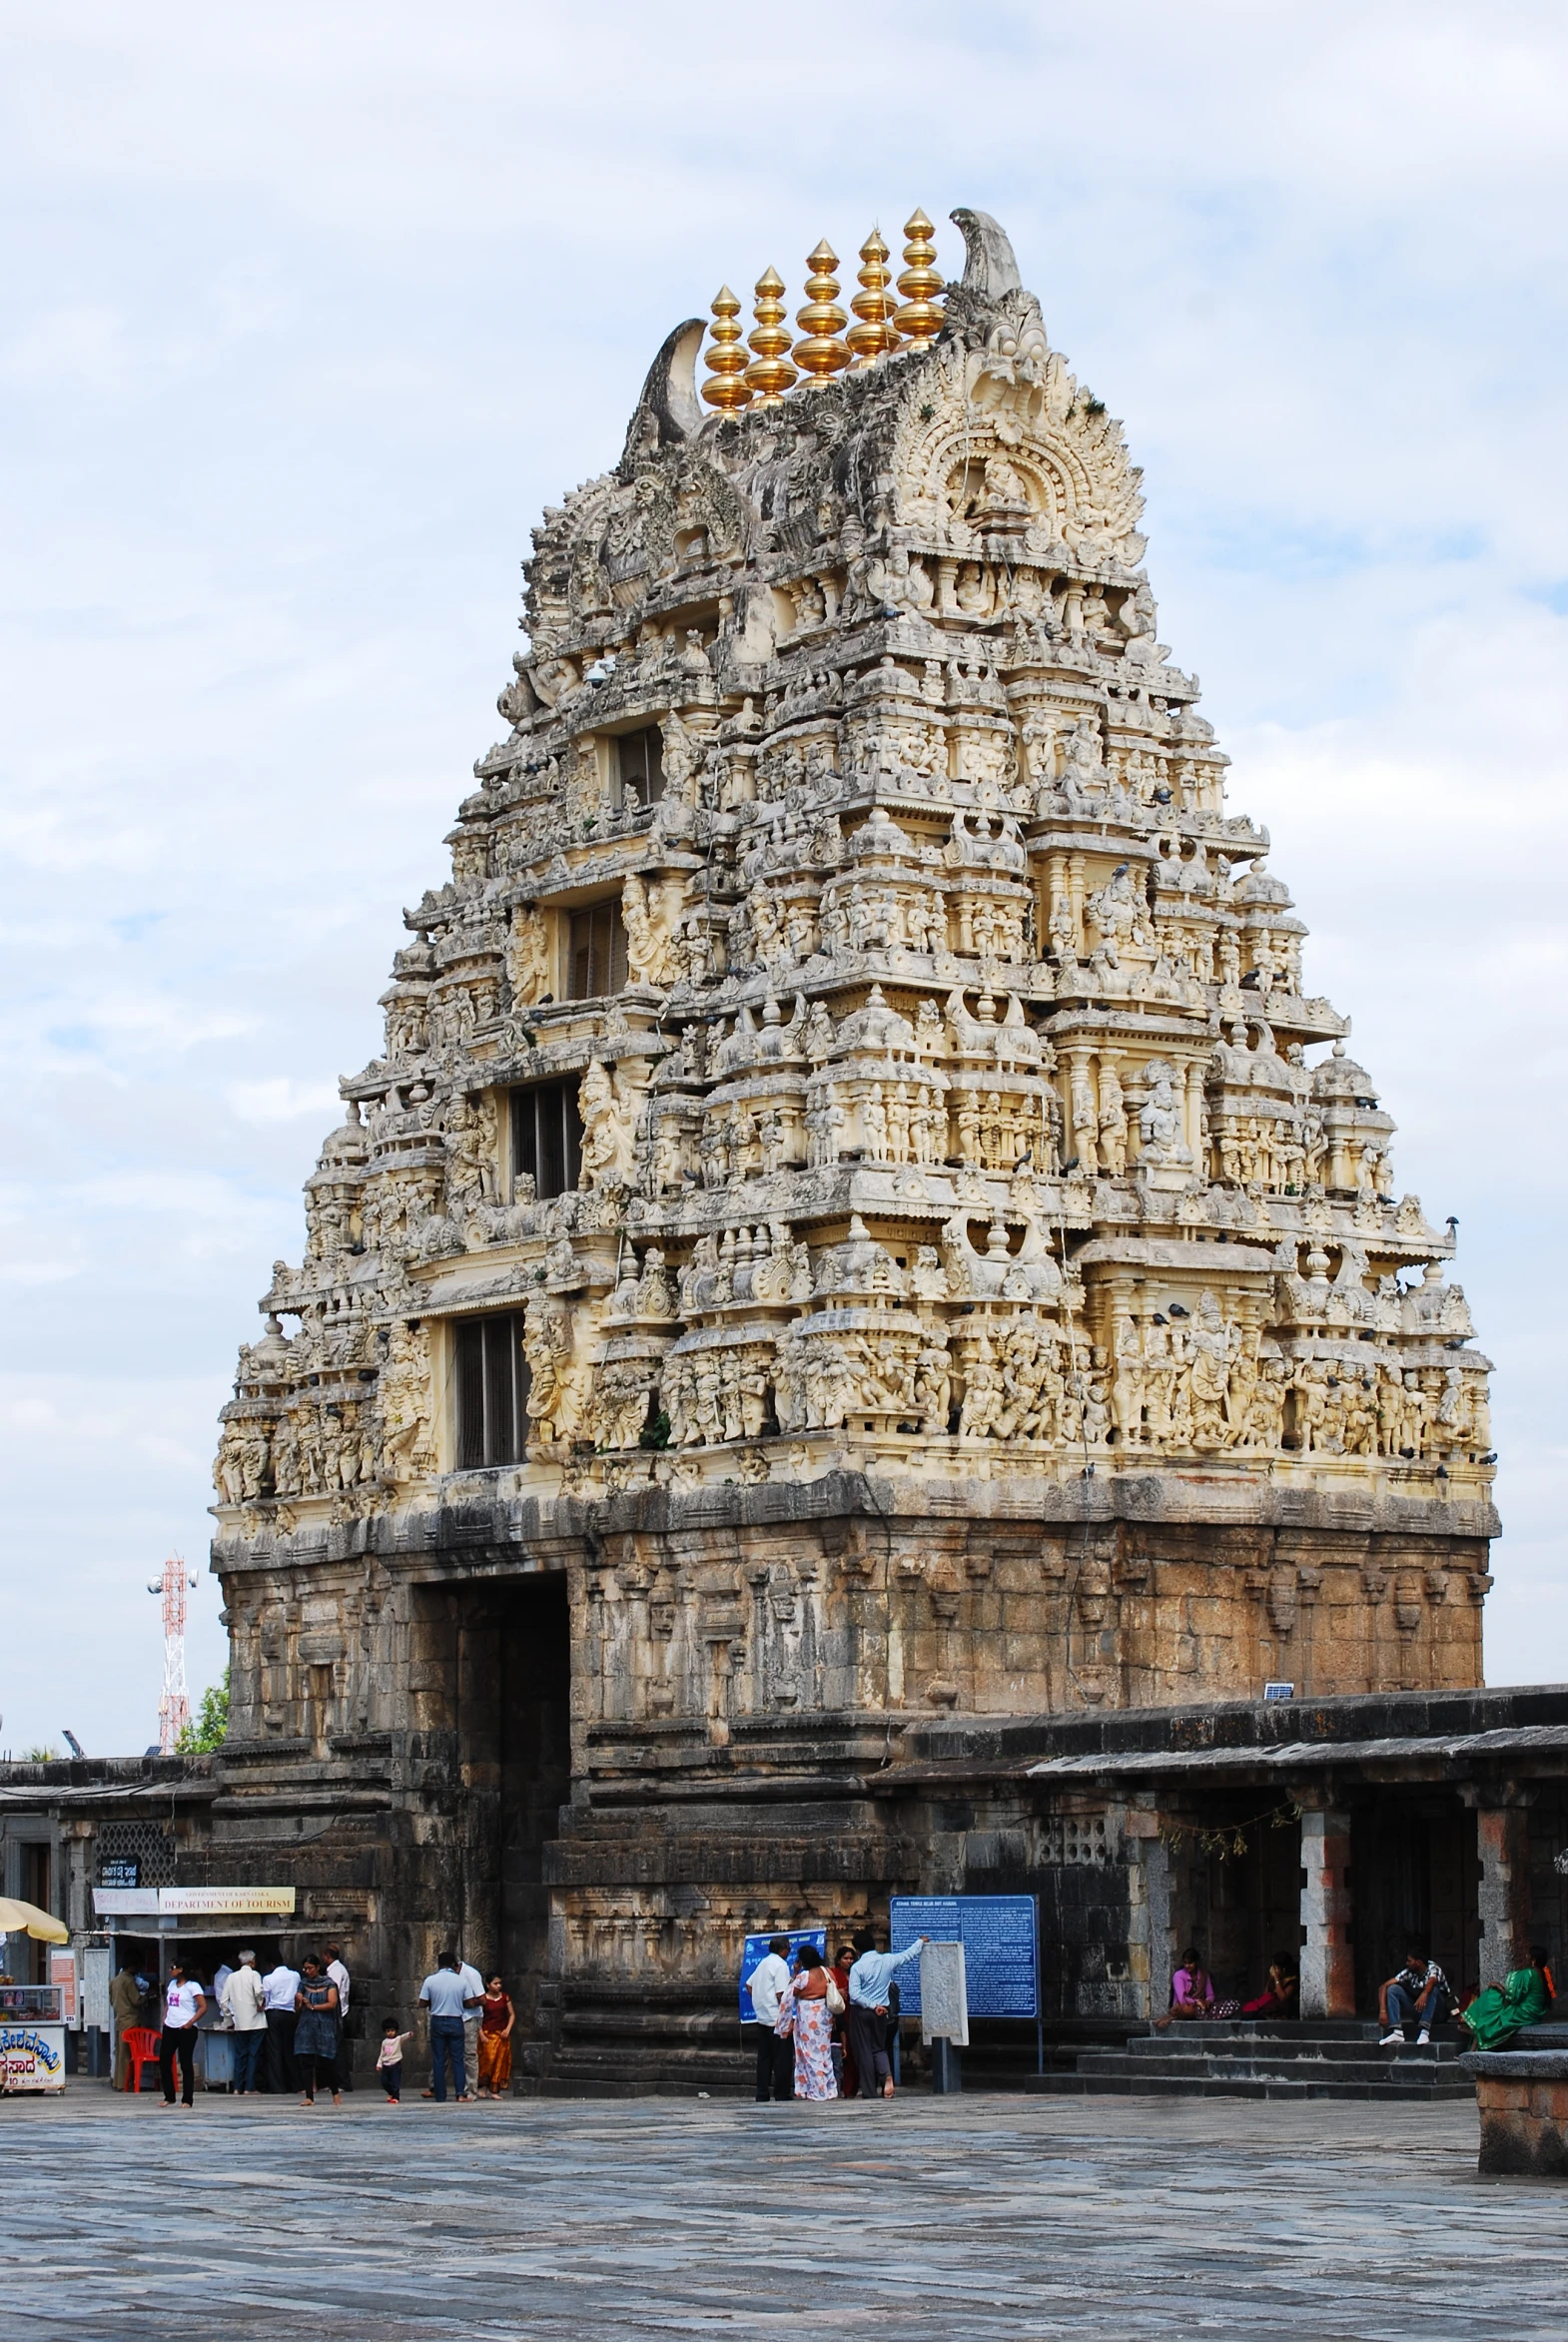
{"x":999,"y":1935}
{"x":756,"y":1950}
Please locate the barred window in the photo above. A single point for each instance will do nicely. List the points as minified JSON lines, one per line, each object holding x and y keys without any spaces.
{"x":143,"y":1846}
{"x":595,"y":952}
{"x":546,"y":1136}
{"x":492,"y":1390}
{"x":639,"y":766}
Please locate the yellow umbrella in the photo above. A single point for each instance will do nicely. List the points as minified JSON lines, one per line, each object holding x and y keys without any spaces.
{"x":25,"y":1918}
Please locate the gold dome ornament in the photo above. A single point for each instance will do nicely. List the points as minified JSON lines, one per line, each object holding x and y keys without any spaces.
{"x":820,"y":354}
{"x":726,"y":359}
{"x":920,"y":320}
{"x":876,"y":335}
{"x":770,"y":373}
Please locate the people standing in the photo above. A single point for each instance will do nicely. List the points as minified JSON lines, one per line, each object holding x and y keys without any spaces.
{"x":242,"y":1999}
{"x":775,"y":2057}
{"x":125,"y":2000}
{"x":843,"y":2062}
{"x":443,"y":1994}
{"x":389,"y":2060}
{"x":183,"y":2001}
{"x":473,"y":1995}
{"x":316,"y":2033}
{"x":496,"y":2019}
{"x":866,"y":2021}
{"x":806,"y":2013}
{"x":340,"y":1978}
{"x":279,"y":1989}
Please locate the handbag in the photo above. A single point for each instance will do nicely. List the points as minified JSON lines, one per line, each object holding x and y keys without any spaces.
{"x":835,"y":1997}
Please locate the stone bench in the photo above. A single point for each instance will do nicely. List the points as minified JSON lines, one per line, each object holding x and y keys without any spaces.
{"x":1523,"y":2097}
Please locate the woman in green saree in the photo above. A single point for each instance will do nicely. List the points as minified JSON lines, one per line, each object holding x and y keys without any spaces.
{"x":1496,"y":2015}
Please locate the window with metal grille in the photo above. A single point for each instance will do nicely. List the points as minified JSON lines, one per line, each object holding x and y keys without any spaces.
{"x":492,"y":1390}
{"x":546,"y":1136}
{"x":639,"y":766}
{"x":143,"y":1846}
{"x":595,"y":952}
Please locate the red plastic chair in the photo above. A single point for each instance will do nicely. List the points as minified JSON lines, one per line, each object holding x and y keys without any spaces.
{"x":140,"y":2050}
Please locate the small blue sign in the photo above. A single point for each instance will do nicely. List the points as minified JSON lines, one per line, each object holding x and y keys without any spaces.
{"x":999,"y":1935}
{"x":756,"y":1951}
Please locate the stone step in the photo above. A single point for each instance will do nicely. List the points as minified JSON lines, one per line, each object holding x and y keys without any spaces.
{"x":1248,"y":2029}
{"x":1185,"y":2043}
{"x":1383,"y":2072}
{"x":1160,"y":2086}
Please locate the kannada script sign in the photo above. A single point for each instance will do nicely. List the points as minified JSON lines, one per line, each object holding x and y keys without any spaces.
{"x":999,"y":1937}
{"x":32,"y":2057}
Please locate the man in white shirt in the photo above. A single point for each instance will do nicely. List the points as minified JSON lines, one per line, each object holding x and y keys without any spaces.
{"x":183,"y":2001}
{"x":279,"y":1987}
{"x":343,"y":2079}
{"x":473,"y":1993}
{"x":775,"y":2055}
{"x":242,"y":2000}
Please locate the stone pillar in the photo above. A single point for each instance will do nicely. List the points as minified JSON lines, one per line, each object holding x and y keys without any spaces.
{"x":1149,"y":1919}
{"x":1502,"y":1824}
{"x":1327,"y":1969}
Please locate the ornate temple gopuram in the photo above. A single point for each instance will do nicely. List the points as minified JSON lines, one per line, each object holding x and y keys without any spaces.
{"x":861,"y":1244}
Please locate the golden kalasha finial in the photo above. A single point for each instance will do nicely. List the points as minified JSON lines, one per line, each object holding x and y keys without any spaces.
{"x":770,"y":373}
{"x":919,"y":319}
{"x":874,"y":306}
{"x":726,"y":360}
{"x":820,"y":354}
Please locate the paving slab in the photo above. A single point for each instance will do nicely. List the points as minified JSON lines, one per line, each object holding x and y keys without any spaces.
{"x":979,"y":2217}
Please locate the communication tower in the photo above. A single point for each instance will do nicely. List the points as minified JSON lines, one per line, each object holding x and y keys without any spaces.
{"x":174,"y":1705}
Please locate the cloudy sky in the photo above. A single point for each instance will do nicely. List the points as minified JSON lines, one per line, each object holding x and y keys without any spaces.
{"x":309,"y":308}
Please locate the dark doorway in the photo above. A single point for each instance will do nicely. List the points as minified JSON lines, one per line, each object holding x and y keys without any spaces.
{"x":535,"y":1771}
{"x":1414,"y":1879}
{"x":37,"y":1888}
{"x":1241,"y":1898}
{"x":503,"y":1648}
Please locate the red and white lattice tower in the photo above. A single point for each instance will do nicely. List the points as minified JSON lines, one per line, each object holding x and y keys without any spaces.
{"x":174,"y":1705}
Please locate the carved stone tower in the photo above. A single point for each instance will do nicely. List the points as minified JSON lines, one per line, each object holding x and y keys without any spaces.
{"x":858,"y":1208}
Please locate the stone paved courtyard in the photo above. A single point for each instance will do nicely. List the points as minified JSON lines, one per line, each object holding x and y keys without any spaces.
{"x":983,"y":2217}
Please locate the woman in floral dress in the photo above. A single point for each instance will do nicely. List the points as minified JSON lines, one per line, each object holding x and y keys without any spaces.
{"x":805,"y":2012}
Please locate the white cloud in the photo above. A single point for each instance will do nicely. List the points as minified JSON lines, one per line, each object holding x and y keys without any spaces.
{"x":311,"y":310}
{"x":282,"y":1099}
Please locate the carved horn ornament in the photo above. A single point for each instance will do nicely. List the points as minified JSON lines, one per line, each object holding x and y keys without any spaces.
{"x":991,"y":268}
{"x":669,"y":393}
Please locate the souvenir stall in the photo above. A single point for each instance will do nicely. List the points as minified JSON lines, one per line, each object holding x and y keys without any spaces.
{"x":32,"y":2019}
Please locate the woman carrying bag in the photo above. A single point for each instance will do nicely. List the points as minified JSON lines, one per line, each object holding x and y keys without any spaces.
{"x":807,"y":2006}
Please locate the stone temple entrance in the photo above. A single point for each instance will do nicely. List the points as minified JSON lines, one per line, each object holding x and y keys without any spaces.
{"x":498,"y":1668}
{"x":1414,"y":1881}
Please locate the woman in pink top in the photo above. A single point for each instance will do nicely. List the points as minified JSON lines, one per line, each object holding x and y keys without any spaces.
{"x":1191,"y":1990}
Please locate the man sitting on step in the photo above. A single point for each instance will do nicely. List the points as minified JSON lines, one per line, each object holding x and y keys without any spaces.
{"x":1418,"y":1991}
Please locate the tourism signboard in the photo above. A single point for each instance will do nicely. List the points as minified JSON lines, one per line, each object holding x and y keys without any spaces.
{"x":755,"y":1951}
{"x":188,"y":1902}
{"x":1000,"y":1939}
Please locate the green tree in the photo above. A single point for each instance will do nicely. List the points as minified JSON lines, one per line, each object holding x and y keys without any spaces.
{"x":209,"y":1727}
